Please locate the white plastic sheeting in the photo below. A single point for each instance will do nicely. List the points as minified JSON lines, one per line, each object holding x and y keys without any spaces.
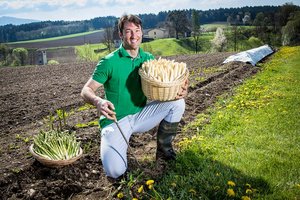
{"x":251,"y":56}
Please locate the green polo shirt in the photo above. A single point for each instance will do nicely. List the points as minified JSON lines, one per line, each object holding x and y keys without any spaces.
{"x":118,"y":72}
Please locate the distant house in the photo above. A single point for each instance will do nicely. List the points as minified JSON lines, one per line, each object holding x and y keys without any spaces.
{"x":42,"y":56}
{"x":157,"y":33}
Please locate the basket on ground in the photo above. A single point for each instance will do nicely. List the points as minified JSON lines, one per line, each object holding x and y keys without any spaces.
{"x":54,"y":163}
{"x":161,"y":91}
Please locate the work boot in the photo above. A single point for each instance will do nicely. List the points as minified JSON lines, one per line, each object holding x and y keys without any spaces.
{"x":165,"y":135}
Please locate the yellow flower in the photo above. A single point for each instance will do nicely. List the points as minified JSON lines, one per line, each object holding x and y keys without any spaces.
{"x":230,"y":192}
{"x":173,"y":184}
{"x":150,"y":187}
{"x":231,"y":183}
{"x":120,"y":195}
{"x":248,"y":185}
{"x":135,"y":199}
{"x":193,"y":191}
{"x":248,"y":191}
{"x":141,"y":189}
{"x":150,"y":182}
{"x":245,"y":198}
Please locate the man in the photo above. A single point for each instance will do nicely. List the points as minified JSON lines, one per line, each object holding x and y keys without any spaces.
{"x":125,"y":101}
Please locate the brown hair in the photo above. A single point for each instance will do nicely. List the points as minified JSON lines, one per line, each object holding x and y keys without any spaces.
{"x":129,"y":18}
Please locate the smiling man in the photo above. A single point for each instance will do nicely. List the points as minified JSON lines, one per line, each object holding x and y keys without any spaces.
{"x":124,"y":101}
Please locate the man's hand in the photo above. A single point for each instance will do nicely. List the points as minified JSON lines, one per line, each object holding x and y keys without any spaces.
{"x":183,"y":90}
{"x":106,"y":108}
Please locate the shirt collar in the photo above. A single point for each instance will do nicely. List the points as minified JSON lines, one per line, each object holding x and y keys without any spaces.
{"x":124,"y":53}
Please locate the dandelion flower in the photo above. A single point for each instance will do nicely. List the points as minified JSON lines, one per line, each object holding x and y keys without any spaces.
{"x":231,"y":183}
{"x":150,"y":182}
{"x":135,"y":199}
{"x":141,"y":189}
{"x":230,"y":192}
{"x":248,"y":191}
{"x":193,"y":191}
{"x":245,"y":198}
{"x":150,"y":187}
{"x":120,"y":195}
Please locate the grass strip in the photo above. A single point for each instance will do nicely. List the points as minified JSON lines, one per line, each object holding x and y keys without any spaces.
{"x":250,"y":149}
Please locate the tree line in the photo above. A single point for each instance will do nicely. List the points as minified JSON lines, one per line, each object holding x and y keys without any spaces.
{"x":47,"y":29}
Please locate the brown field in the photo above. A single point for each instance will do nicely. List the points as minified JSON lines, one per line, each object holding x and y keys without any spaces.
{"x":92,"y":38}
{"x":29,"y":94}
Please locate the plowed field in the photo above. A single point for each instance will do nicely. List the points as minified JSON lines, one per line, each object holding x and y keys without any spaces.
{"x":29,"y":94}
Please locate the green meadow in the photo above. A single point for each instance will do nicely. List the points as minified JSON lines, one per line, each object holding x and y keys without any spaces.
{"x":246,"y":146}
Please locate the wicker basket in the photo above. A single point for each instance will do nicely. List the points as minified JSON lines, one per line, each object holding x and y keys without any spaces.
{"x":155,"y":90}
{"x":54,"y":163}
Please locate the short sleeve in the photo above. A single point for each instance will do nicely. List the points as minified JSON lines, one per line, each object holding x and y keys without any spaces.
{"x":102,"y":71}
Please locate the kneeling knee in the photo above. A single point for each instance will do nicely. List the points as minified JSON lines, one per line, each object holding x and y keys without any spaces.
{"x":179,"y":105}
{"x":115,"y":172}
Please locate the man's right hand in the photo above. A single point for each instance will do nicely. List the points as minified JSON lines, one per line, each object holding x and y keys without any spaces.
{"x":106,"y":108}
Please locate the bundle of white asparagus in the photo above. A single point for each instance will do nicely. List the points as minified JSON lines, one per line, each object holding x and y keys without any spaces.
{"x":163,"y":70}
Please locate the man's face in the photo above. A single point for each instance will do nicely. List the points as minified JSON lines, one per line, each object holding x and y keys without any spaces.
{"x":131,"y":36}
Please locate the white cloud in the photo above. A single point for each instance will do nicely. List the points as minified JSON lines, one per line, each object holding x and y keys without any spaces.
{"x":87,"y":9}
{"x":18,"y":4}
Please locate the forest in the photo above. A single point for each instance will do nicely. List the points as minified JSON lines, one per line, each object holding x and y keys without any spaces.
{"x":46,"y":29}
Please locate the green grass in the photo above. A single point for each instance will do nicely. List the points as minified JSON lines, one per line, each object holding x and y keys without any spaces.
{"x":55,"y":38}
{"x":165,"y":47}
{"x":159,"y":47}
{"x":213,"y":26}
{"x":252,"y":139}
{"x":172,"y":46}
{"x":87,"y":52}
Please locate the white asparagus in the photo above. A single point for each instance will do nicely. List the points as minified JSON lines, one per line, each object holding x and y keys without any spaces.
{"x":164,"y":70}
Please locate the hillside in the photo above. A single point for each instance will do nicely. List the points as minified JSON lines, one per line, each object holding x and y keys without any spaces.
{"x":48,"y":29}
{"x":4,"y":20}
{"x":70,"y":40}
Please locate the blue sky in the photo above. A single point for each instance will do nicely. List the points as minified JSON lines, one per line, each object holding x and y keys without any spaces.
{"x":87,"y":9}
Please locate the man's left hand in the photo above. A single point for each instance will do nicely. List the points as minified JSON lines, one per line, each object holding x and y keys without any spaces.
{"x":183,"y":90}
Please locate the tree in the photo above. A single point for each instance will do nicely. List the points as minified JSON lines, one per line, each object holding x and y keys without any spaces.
{"x":260,"y":22}
{"x":196,"y":32}
{"x":286,"y":11}
{"x":179,"y":21}
{"x":234,"y":30}
{"x":291,"y":31}
{"x":20,"y":56}
{"x":219,"y":42}
{"x":4,"y":52}
{"x":108,"y":39}
{"x":247,"y":19}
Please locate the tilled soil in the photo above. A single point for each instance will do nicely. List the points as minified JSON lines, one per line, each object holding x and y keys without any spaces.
{"x":30,"y":94}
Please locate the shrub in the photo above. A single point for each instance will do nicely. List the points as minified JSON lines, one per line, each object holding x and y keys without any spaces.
{"x":53,"y":62}
{"x":254,"y":42}
{"x":20,"y":56}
